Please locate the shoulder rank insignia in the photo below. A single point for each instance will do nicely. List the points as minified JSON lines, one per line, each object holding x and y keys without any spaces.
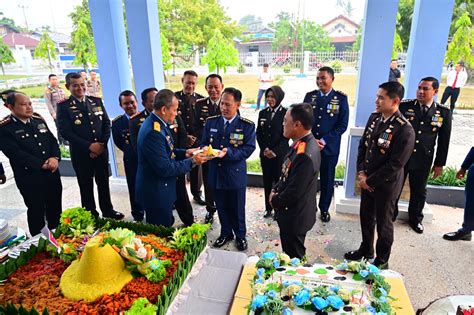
{"x":37,"y":116}
{"x":401,"y":121}
{"x":135,"y":115}
{"x":212,"y":117}
{"x":117,"y":118}
{"x":301,"y":148}
{"x":340,"y":92}
{"x":246,"y":120}
{"x":157,"y":126}
{"x":201,"y":99}
{"x":5,"y":121}
{"x":407,"y":100}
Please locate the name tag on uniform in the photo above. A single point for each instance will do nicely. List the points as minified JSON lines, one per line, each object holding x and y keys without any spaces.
{"x":213,"y":130}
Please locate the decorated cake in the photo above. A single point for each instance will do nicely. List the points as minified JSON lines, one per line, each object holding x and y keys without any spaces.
{"x":287,"y":286}
{"x":101,"y":267}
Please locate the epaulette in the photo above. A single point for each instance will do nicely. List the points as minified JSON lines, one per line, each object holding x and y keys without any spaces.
{"x":156,"y":126}
{"x":37,"y":116}
{"x":301,"y":148}
{"x":443,"y":106}
{"x":246,"y":120}
{"x":201,"y":99}
{"x":93,"y":98}
{"x":401,"y":121}
{"x":340,"y":92}
{"x":5,"y":121}
{"x":213,"y":117}
{"x":408,"y":100}
{"x":63,"y":101}
{"x":117,"y":118}
{"x":47,"y":90}
{"x":135,"y":115}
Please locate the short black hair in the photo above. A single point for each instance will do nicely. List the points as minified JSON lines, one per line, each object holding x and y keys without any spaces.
{"x":72,"y":76}
{"x":126,"y":93}
{"x":302,"y":112}
{"x":213,"y":75}
{"x":93,"y":71}
{"x":146,"y":91}
{"x":191,"y":73}
{"x":51,"y":75}
{"x":328,"y":70}
{"x":265,"y":65}
{"x":234,"y":92}
{"x":164,"y":98}
{"x":8,"y":97}
{"x":393,"y":89}
{"x":433,"y":80}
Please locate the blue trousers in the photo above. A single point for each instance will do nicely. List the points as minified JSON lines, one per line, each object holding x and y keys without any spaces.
{"x":259,"y":97}
{"x":327,"y":172}
{"x":468,"y":224}
{"x":231,"y":210}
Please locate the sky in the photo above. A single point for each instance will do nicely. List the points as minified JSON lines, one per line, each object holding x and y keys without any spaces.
{"x":55,"y":12}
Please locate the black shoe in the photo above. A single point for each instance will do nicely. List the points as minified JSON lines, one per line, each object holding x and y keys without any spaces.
{"x":457,"y":236}
{"x":222,"y":240}
{"x":325,"y":216}
{"x":417,"y":227}
{"x":209,"y":218}
{"x":113,"y":215}
{"x":138,"y":219}
{"x":241,"y":244}
{"x":379,"y":264}
{"x":199,"y":200}
{"x":356,"y":255}
{"x":268,"y":214}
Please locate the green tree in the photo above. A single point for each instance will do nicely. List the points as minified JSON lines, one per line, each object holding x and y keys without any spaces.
{"x":9,"y":22}
{"x":6,"y":57}
{"x":315,"y":37}
{"x":220,"y":53}
{"x":397,"y":41}
{"x":357,"y":43}
{"x":461,"y":7}
{"x":346,"y":7}
{"x":405,"y":10}
{"x":165,"y":52}
{"x":82,"y":39}
{"x":192,"y":23}
{"x":46,"y":50}
{"x":251,"y":23}
{"x":286,"y":33}
{"x":462,"y":43}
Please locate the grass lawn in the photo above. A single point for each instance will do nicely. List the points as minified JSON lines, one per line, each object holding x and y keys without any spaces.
{"x":13,"y":76}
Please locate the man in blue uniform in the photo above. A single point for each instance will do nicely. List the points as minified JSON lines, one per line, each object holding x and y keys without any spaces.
{"x":159,"y":163}
{"x":331,"y":116}
{"x":235,"y":136}
{"x":148,"y":97}
{"x":121,"y":136}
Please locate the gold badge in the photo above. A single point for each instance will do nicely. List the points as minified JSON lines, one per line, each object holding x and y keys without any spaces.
{"x":77,"y":122}
{"x":156,"y":126}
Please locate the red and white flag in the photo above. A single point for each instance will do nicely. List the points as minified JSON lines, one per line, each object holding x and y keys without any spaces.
{"x":46,"y":232}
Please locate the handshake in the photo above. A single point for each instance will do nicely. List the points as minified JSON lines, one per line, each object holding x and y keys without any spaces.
{"x":201,"y":156}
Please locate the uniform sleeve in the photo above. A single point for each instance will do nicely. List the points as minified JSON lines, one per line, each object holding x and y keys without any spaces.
{"x":116,"y":135}
{"x":133,"y":128}
{"x":154,"y":150}
{"x":260,"y":137}
{"x":13,"y":151}
{"x":401,"y":151}
{"x":65,"y":128}
{"x":105,"y":125}
{"x":342,"y":121}
{"x":307,"y":98}
{"x":246,"y":150}
{"x":54,"y":145}
{"x":300,"y":175}
{"x":182,"y":135}
{"x":469,"y":160}
{"x":444,"y":135}
{"x":362,"y":148}
{"x":47,"y":98}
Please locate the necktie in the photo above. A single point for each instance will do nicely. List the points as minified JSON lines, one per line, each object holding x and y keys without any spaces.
{"x":455,"y":80}
{"x":424,"y":110}
{"x":226,"y":125}
{"x":273,"y":114}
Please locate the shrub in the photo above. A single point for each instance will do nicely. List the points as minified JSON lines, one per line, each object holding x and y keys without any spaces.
{"x":254,"y":166}
{"x":336,"y":66}
{"x":286,"y":69}
{"x":241,"y":68}
{"x":447,"y":178}
{"x":65,"y":154}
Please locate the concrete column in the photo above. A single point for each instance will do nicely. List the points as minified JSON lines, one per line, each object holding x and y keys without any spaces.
{"x":374,"y":63}
{"x":306,"y":62}
{"x":428,"y":42}
{"x":197,"y":58}
{"x":255,"y":61}
{"x":112,"y":55}
{"x":145,"y":44}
